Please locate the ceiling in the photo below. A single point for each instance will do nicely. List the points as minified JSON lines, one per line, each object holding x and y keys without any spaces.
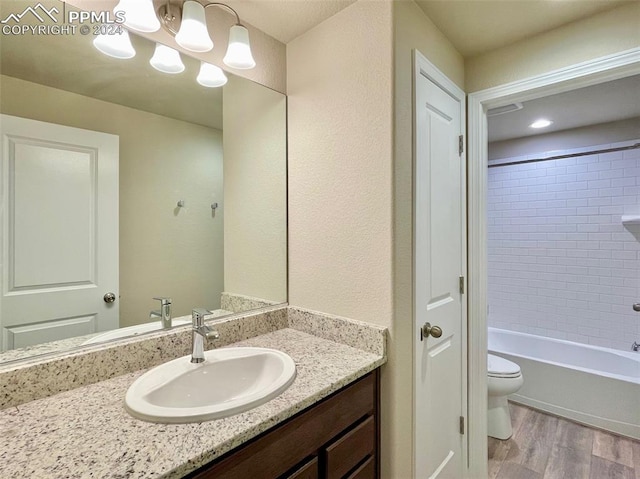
{"x":285,"y":20}
{"x":602,"y":103}
{"x":478,"y":26}
{"x":473,"y":26}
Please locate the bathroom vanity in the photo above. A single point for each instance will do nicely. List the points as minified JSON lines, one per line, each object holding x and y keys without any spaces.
{"x":324,"y":425}
{"x":337,"y":438}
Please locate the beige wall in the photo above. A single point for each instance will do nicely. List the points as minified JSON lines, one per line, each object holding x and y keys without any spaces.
{"x":164,"y":251}
{"x":350,"y":208}
{"x":339,"y":88}
{"x":339,"y":78}
{"x":603,"y":34}
{"x":255,"y":182}
{"x":413,"y":30}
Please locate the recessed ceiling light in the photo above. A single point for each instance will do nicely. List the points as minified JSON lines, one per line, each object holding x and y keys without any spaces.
{"x":541,"y":123}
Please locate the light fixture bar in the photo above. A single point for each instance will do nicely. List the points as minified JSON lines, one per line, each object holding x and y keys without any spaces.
{"x":224,"y":5}
{"x":188,"y":25}
{"x":169,"y":14}
{"x":192,"y":33}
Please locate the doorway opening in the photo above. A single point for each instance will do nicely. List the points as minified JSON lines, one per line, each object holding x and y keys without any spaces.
{"x":563,"y":275}
{"x":597,"y":72}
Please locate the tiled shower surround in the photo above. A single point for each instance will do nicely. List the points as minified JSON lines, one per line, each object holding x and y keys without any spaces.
{"x":561,"y":263}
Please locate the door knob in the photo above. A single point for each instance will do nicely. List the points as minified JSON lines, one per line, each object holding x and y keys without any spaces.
{"x":109,"y":298}
{"x":636,"y":307}
{"x":428,"y":330}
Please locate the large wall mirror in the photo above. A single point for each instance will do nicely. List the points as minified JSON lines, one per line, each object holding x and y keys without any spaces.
{"x":117,"y":178}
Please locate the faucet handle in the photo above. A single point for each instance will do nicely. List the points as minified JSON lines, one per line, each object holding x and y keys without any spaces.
{"x":163,"y":300}
{"x":197,"y":316}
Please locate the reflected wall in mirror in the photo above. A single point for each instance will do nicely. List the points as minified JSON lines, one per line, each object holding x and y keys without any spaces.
{"x":120,"y":179}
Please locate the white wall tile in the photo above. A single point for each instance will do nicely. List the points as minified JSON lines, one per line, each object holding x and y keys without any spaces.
{"x":560,"y":262}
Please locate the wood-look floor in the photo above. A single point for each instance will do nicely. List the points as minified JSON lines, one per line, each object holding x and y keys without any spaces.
{"x":548,"y":447}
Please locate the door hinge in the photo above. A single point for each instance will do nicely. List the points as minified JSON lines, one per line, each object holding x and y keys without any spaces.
{"x":461,"y":424}
{"x":461,"y":284}
{"x":460,"y":144}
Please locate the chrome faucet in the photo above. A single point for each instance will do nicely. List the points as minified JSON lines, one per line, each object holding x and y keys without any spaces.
{"x":200,"y":332}
{"x":635,"y":347}
{"x":164,"y":313}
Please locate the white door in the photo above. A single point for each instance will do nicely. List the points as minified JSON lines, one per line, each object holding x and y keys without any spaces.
{"x":59,"y":231}
{"x":440,"y":263}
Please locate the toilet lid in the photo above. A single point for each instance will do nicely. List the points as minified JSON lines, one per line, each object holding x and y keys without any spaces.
{"x":501,"y":367}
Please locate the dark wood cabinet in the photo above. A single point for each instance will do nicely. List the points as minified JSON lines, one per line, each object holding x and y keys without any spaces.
{"x":337,"y":438}
{"x":309,"y":470}
{"x":349,"y":450}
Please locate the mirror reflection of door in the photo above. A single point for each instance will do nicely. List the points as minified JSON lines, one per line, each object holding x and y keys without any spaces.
{"x":179,"y":143}
{"x":59,"y":231}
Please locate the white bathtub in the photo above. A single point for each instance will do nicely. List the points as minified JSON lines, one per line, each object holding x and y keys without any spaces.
{"x":588,"y":384}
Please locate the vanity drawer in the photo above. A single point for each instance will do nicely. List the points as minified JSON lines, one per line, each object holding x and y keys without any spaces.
{"x":365,"y":471}
{"x":345,"y":453}
{"x":309,"y":470}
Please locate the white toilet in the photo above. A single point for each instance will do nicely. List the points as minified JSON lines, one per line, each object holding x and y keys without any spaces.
{"x":504,"y":378}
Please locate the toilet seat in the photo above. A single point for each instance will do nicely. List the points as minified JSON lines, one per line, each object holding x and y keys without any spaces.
{"x":498,"y":367}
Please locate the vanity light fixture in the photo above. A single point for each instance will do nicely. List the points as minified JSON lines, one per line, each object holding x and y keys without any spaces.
{"x":189,"y":26}
{"x":117,"y":45}
{"x":166,"y":60}
{"x":541,"y":123}
{"x":238,"y":51}
{"x":139,"y":15}
{"x":193,"y":34}
{"x":211,"y":76}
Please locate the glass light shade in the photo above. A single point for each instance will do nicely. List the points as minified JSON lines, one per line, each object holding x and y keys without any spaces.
{"x":116,"y":46}
{"x":211,"y":76}
{"x":166,"y":59}
{"x":239,"y":51}
{"x":193,"y":34}
{"x":139,"y":15}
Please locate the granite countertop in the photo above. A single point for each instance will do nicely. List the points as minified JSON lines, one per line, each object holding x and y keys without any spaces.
{"x":86,"y":432}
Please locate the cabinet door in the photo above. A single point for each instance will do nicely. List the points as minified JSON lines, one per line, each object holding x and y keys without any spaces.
{"x":309,"y":470}
{"x":280,"y":449}
{"x":365,"y":471}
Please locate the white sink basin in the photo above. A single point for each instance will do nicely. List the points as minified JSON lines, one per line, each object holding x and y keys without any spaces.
{"x":228,"y":382}
{"x":133,"y":331}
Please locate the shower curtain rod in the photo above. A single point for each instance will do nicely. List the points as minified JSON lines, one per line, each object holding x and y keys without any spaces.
{"x":571,"y":155}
